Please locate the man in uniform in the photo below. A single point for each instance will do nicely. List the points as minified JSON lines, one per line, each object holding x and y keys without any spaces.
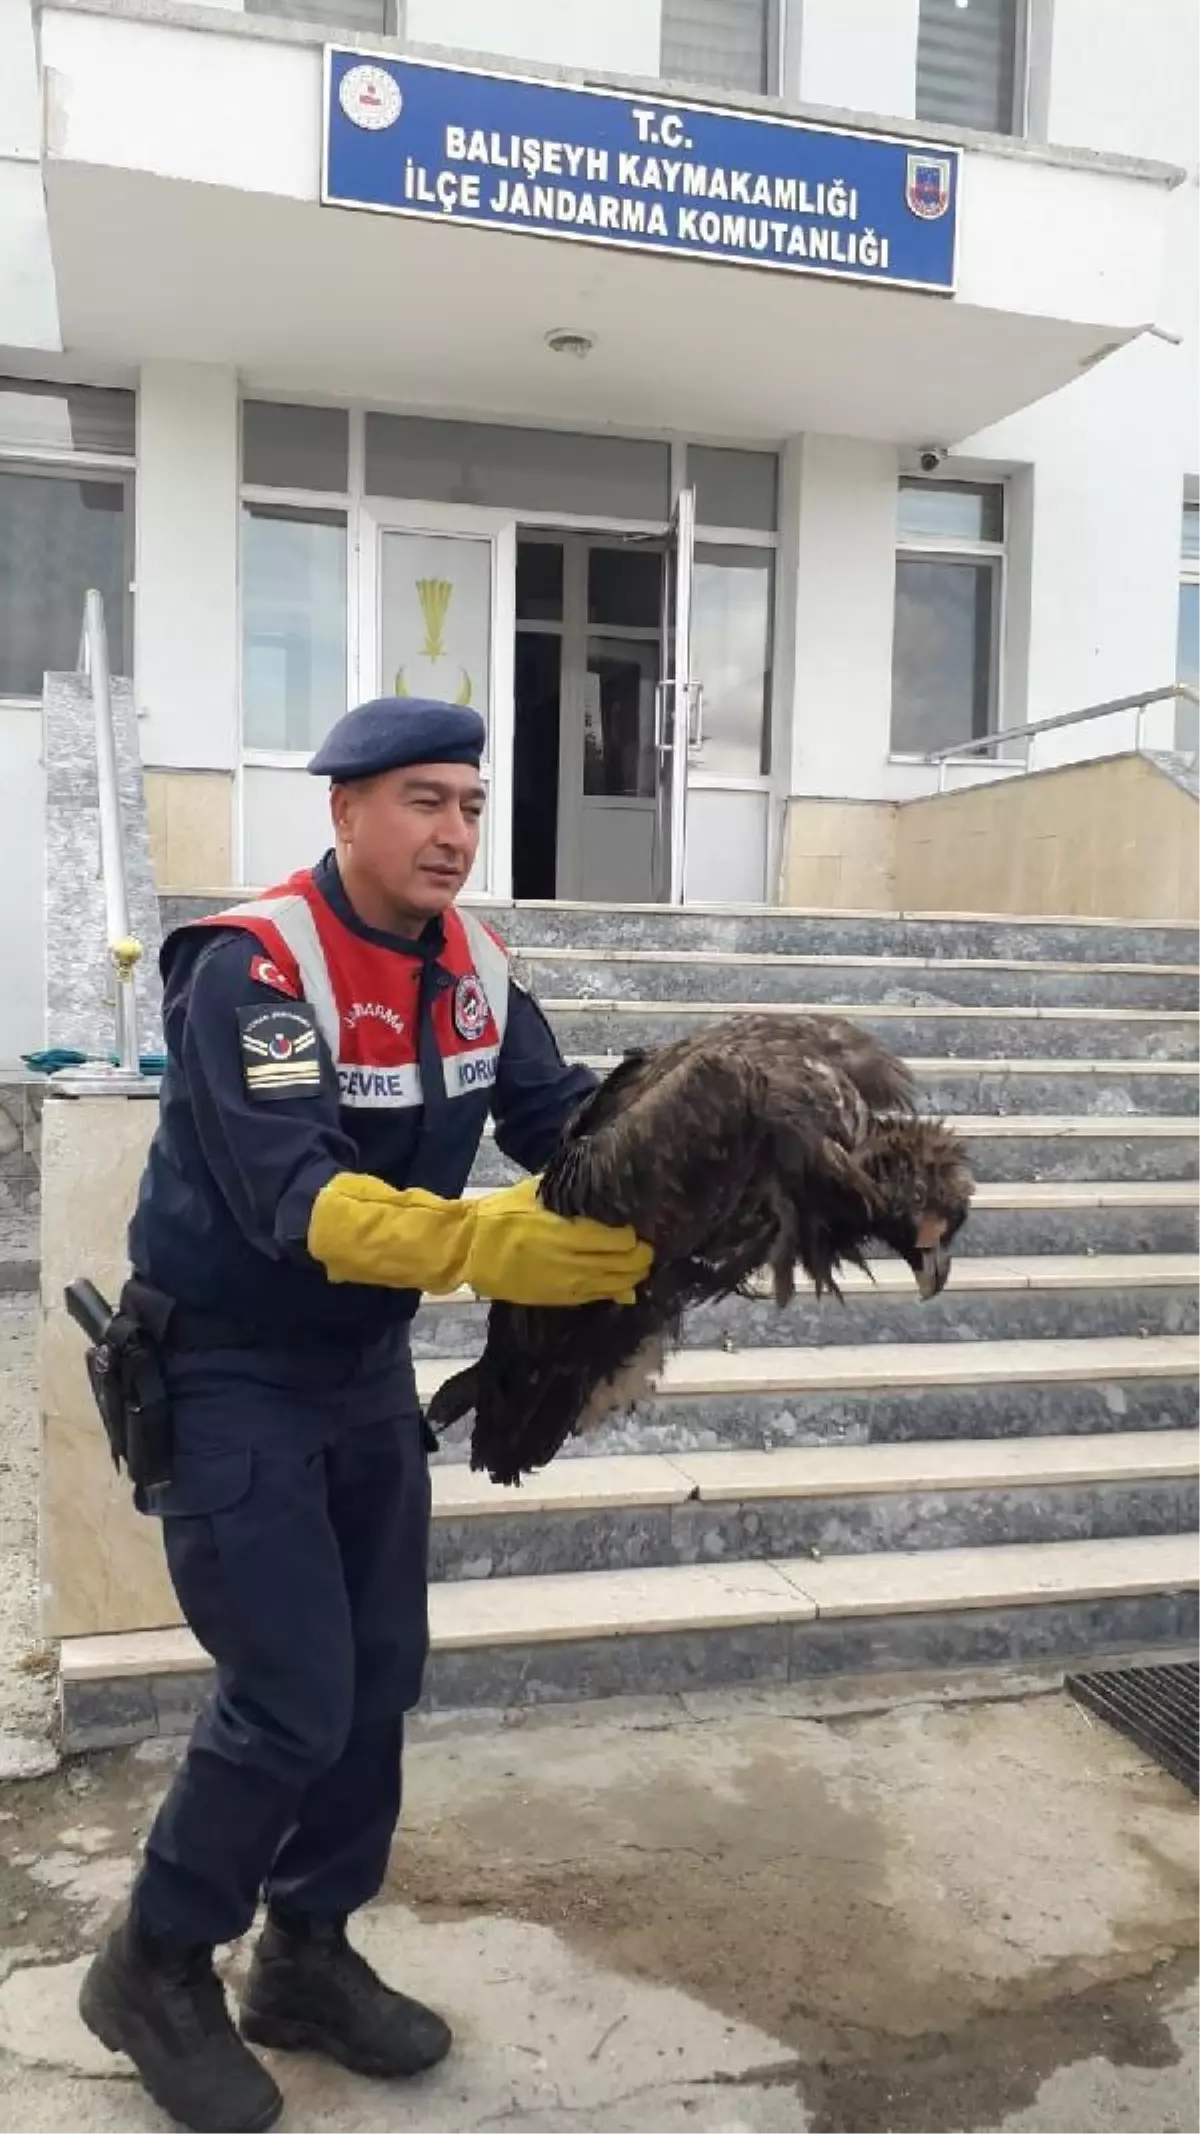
{"x":333,"y":1050}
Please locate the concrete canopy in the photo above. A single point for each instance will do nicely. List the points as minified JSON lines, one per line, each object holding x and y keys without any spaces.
{"x":182,"y":178}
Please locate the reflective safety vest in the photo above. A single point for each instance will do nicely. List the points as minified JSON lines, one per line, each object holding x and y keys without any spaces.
{"x":367,"y":998}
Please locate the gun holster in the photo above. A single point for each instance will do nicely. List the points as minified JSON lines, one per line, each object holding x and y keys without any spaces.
{"x":124,"y":1367}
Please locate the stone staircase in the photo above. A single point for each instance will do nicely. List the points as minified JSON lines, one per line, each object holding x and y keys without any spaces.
{"x":1007,"y":1474}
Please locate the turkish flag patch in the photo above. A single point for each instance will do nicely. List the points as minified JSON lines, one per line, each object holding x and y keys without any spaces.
{"x":264,"y":972}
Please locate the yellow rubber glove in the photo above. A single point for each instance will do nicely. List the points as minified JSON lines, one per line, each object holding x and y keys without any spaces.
{"x":506,"y":1246}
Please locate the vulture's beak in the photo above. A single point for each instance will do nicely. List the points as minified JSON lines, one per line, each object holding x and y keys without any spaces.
{"x":932,"y":1271}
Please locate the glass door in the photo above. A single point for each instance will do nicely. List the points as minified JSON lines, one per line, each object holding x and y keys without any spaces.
{"x":619,"y":677}
{"x":607,"y":614}
{"x":677,"y":704}
{"x":437,"y":606}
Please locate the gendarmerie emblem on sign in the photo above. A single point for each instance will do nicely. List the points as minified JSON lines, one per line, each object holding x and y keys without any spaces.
{"x":281,"y":1056}
{"x":927,"y":187}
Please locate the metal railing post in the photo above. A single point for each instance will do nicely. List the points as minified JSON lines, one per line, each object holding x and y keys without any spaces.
{"x":98,"y":1078}
{"x":125,"y":951}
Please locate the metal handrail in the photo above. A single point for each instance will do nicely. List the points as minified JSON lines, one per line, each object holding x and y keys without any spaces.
{"x":960,"y":751}
{"x":123,"y":948}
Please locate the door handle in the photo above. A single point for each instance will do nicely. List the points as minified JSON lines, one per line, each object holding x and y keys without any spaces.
{"x":695,"y":715}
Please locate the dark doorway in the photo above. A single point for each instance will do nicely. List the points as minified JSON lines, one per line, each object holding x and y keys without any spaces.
{"x":537,"y":689}
{"x":586,"y":672}
{"x":537,"y":694}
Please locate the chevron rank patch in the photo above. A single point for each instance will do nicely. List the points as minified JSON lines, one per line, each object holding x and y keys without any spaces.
{"x":280,"y":1053}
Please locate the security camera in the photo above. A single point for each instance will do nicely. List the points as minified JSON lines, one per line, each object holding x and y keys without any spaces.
{"x":930,"y":458}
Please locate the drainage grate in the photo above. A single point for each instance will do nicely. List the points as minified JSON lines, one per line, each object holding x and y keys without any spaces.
{"x":1154,"y":1706}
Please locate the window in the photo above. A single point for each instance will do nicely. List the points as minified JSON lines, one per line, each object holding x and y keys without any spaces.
{"x":732,"y":598}
{"x":624,"y":613}
{"x":1187,"y":663}
{"x":540,"y":579}
{"x":293,"y":625}
{"x":971,"y":64}
{"x":59,"y":536}
{"x":949,"y":591}
{"x":729,"y":44}
{"x":378,"y":18}
{"x":734,"y":488}
{"x":286,"y":447}
{"x":523,"y":470}
{"x":66,"y":524}
{"x":624,"y":588}
{"x":52,"y":419}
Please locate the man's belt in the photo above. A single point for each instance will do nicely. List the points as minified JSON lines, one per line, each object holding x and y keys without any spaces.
{"x":125,"y":1366}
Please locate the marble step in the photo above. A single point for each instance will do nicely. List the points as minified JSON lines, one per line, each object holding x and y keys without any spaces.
{"x":1077,"y":1216}
{"x":1072,"y":1216}
{"x":1128,"y":1088}
{"x":543,"y":1639}
{"x":709,"y":1399}
{"x":1049,"y":1297}
{"x":979,"y":936}
{"x":1015,"y":1150}
{"x":709,"y":975}
{"x":630,"y":1511}
{"x":1042,"y":1150}
{"x":929,"y":1032}
{"x":592,"y":1634}
{"x":770,"y":929}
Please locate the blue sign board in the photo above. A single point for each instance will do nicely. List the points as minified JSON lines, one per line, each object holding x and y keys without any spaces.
{"x":451,"y":144}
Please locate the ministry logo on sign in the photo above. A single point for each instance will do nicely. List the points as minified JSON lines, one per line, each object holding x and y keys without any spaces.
{"x":370,"y":97}
{"x":927,"y":186}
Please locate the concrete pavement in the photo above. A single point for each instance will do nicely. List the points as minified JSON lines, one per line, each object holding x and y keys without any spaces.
{"x":715,"y":1913}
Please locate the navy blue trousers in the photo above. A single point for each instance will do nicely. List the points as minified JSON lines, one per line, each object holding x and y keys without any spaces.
{"x":296,"y":1529}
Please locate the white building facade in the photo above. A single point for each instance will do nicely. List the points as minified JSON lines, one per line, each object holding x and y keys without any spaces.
{"x":707,"y":517}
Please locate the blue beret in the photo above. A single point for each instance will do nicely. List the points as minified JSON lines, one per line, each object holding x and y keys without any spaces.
{"x":392,"y":732}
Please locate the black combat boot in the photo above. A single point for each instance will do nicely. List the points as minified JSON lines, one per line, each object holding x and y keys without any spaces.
{"x":165,"y":2007}
{"x":309,"y":1991}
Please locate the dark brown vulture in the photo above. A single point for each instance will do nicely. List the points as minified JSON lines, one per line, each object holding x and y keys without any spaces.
{"x":763,"y":1141}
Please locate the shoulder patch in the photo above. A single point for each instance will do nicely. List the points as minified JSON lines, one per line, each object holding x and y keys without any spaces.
{"x":264,"y":972}
{"x":281,"y":1055}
